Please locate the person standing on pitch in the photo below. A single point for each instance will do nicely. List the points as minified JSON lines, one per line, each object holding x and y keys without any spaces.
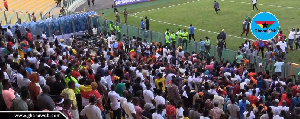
{"x":167,"y":38}
{"x":173,"y":38}
{"x":191,"y":35}
{"x":93,"y":1}
{"x":245,"y":27}
{"x":125,"y":15}
{"x":184,"y":37}
{"x":216,"y":6}
{"x":167,"y":32}
{"x":222,"y":36}
{"x":117,"y":17}
{"x":248,"y":18}
{"x":147,"y":23}
{"x":254,"y":4}
{"x":179,"y":35}
{"x":297,"y":39}
{"x":89,"y":2}
{"x":142,"y":24}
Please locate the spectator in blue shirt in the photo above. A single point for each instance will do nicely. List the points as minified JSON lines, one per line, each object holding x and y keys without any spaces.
{"x":296,"y":100}
{"x":142,"y":24}
{"x":191,"y":35}
{"x":261,"y":83}
{"x":202,"y":45}
{"x":243,"y":106}
{"x":115,"y":44}
{"x":261,"y":48}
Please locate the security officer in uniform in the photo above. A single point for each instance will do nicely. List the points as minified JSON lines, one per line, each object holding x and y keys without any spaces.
{"x":111,"y":27}
{"x":173,"y":38}
{"x":118,"y":31}
{"x":167,"y":32}
{"x":179,"y":35}
{"x":167,"y":38}
{"x":185,"y":37}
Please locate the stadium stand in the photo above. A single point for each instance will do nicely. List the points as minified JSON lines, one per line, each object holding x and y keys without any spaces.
{"x":21,"y":9}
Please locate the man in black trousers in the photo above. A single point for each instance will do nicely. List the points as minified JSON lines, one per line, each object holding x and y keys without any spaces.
{"x":254,"y":4}
{"x":147,"y":23}
{"x":216,"y":6}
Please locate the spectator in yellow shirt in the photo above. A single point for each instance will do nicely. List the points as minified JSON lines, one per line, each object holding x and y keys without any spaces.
{"x":69,"y":93}
{"x":186,"y":114}
{"x":160,"y":79}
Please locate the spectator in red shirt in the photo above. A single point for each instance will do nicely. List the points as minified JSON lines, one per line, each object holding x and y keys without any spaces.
{"x":5,"y":5}
{"x":10,"y":44}
{"x":29,"y":37}
{"x":91,"y":75}
{"x":120,"y":45}
{"x":209,"y":67}
{"x":255,"y":45}
{"x":171,"y":110}
{"x":280,"y":36}
{"x":252,"y":98}
{"x":75,"y":72}
{"x":236,"y":88}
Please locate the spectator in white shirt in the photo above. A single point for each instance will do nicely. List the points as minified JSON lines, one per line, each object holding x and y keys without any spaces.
{"x":91,"y":111}
{"x":212,"y":90}
{"x":148,"y":94}
{"x":25,"y":81}
{"x":278,"y":66}
{"x":96,"y":65}
{"x":129,"y":108}
{"x":159,"y":99}
{"x":284,"y":107}
{"x":107,"y":78}
{"x":159,"y":113}
{"x":291,"y":38}
{"x":114,"y":103}
{"x":9,"y":31}
{"x":44,"y":35}
{"x":179,"y":110}
{"x":282,"y":45}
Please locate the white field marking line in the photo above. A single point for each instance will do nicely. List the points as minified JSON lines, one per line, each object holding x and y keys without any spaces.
{"x":199,"y":1}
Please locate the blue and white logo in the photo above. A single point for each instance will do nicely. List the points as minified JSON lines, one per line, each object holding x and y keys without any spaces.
{"x":264,"y":26}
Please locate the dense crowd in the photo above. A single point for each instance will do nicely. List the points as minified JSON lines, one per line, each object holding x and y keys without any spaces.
{"x":136,"y":79}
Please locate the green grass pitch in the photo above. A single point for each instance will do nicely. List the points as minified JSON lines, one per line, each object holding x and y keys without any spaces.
{"x":174,"y":14}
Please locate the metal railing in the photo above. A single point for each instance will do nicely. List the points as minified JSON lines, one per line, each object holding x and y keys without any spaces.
{"x":80,"y":22}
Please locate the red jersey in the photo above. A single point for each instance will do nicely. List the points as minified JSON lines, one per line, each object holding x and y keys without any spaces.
{"x":120,"y":45}
{"x":91,"y":76}
{"x":75,"y":74}
{"x":29,"y":36}
{"x":252,"y":99}
{"x":5,"y":3}
{"x":255,"y":44}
